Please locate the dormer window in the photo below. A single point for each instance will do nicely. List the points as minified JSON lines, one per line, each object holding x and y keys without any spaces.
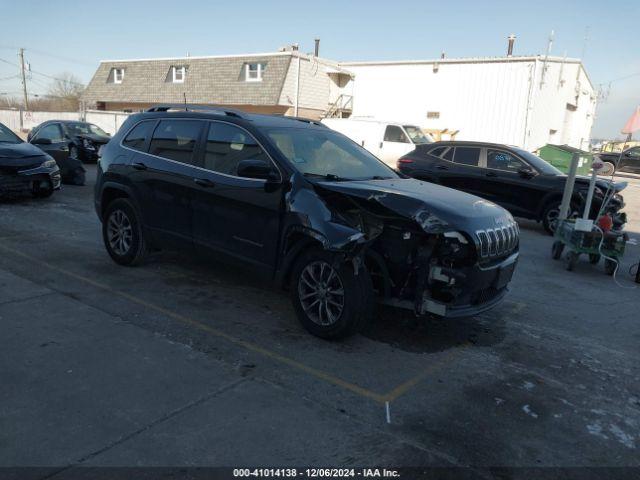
{"x":253,"y":72}
{"x":116,"y":75}
{"x":178,"y":74}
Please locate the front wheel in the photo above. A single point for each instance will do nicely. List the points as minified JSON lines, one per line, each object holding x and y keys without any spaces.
{"x":551,"y":214}
{"x":610,"y":266}
{"x":122,"y":233}
{"x":330,"y":299}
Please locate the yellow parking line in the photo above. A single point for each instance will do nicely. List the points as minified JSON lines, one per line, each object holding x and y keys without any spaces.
{"x":412,"y":382}
{"x":327,"y":377}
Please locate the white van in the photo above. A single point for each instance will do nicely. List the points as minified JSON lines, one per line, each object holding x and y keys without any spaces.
{"x":386,"y":140}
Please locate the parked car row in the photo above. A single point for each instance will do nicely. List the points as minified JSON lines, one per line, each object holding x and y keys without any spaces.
{"x":60,"y":147}
{"x":316,"y":212}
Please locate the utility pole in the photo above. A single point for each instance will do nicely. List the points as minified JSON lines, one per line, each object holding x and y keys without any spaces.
{"x":24,"y":79}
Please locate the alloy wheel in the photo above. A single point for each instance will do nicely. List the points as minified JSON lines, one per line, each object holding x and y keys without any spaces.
{"x":321,"y":293}
{"x":119,"y":232}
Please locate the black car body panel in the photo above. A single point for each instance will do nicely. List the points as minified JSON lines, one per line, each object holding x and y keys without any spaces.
{"x":422,"y":243}
{"x":524,"y":192}
{"x":627,"y":161}
{"x":24,"y":167}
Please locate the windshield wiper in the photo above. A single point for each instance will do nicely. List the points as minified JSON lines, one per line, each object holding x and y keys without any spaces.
{"x":327,"y":176}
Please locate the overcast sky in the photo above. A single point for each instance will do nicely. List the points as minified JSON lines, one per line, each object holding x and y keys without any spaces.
{"x":72,"y":36}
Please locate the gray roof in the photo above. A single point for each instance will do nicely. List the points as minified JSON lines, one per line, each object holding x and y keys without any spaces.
{"x":218,"y":80}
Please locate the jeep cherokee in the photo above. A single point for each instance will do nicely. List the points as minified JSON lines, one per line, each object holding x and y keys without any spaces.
{"x":319,"y":214}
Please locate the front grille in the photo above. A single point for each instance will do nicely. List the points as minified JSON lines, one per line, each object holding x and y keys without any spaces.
{"x":497,"y":242}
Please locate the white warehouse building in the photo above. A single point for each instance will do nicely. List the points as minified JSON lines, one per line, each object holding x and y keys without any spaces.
{"x":525,"y":101}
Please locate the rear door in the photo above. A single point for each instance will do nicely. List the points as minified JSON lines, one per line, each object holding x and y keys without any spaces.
{"x":163,"y":175}
{"x":236,"y":215}
{"x":462,"y":169}
{"x":630,"y":161}
{"x":395,"y":144}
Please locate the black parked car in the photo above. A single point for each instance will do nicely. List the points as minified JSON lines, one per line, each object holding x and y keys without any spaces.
{"x":24,"y":168}
{"x":628,"y":161}
{"x":519,"y":181}
{"x":305,"y":205}
{"x":70,"y":143}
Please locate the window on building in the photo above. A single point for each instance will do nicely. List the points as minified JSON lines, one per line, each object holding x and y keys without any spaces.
{"x":178,"y":74}
{"x":394,"y":133}
{"x":176,"y":140}
{"x":116,"y":75}
{"x":51,"y":132}
{"x":137,"y":138}
{"x":467,"y":156}
{"x":433,"y":115}
{"x":500,"y":160}
{"x":228,"y":145}
{"x":254,"y":71}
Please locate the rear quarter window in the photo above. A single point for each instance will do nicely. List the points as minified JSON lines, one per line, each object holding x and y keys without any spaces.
{"x":137,"y":137}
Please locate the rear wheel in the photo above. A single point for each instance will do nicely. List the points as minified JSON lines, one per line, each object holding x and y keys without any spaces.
{"x":594,"y":258}
{"x":122,"y":233}
{"x":330,"y":300}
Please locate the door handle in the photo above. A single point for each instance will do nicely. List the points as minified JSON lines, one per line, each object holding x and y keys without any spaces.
{"x":139,"y":166}
{"x":204,"y":182}
{"x":442,"y":167}
{"x":491,"y":174}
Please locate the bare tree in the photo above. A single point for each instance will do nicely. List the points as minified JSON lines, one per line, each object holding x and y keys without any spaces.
{"x":65,"y":91}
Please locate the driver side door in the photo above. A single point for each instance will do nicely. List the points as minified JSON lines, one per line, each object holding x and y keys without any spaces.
{"x":236,"y":215}
{"x":56,"y":145}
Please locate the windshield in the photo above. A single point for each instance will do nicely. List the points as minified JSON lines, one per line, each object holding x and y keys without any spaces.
{"x":325,"y":153}
{"x":7,"y":136}
{"x":538,"y":163}
{"x":416,"y":135}
{"x":80,"y":128}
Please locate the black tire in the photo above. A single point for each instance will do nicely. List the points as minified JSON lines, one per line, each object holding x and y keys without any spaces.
{"x":556,"y":250}
{"x":79,"y":177}
{"x":315,"y":266}
{"x":570,"y":260}
{"x":551,"y":211}
{"x":594,"y":258}
{"x":42,"y":192}
{"x":121,"y":221}
{"x":610,"y":266}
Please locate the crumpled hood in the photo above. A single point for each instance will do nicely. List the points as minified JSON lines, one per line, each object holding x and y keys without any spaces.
{"x":18,"y":154}
{"x":95,"y":138}
{"x":428,"y":204}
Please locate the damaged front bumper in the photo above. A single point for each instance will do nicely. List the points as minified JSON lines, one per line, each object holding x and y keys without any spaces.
{"x":478,"y":289}
{"x":18,"y":182}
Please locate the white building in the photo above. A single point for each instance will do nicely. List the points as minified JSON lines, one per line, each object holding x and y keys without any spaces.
{"x":522,"y":101}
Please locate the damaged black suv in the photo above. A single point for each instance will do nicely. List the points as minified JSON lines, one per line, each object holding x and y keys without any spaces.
{"x":316,"y":212}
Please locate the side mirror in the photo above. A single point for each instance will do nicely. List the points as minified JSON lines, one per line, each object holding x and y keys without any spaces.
{"x":526,"y":172}
{"x":256,"y":169}
{"x":41,"y":141}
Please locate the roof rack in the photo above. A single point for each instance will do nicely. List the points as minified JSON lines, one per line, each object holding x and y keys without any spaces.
{"x":307,"y":120}
{"x":187,"y":107}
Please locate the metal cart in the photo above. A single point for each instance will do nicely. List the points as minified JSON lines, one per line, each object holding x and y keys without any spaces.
{"x":587,"y":243}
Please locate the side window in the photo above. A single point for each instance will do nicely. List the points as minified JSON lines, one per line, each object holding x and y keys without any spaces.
{"x":137,"y":137}
{"x":448,"y":155}
{"x":634,"y":153}
{"x":51,"y":132}
{"x":227,"y":145}
{"x":176,"y":140}
{"x":467,"y":156}
{"x":437,"y":151}
{"x":395,"y":134}
{"x":500,"y":160}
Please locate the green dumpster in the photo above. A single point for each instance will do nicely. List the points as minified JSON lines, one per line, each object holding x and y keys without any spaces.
{"x":560,"y":157}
